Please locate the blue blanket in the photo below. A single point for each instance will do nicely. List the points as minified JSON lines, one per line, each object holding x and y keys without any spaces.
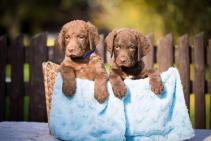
{"x":140,"y":116}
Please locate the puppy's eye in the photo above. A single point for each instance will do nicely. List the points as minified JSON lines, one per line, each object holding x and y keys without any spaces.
{"x":132,"y":48}
{"x":117,"y":47}
{"x":81,"y":37}
{"x":67,"y":37}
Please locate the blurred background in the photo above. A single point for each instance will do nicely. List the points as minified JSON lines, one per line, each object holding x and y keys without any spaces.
{"x":157,"y":16}
{"x":22,"y":92}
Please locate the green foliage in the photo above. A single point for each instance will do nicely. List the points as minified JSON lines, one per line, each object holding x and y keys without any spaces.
{"x":123,"y":13}
{"x":26,"y":72}
{"x":32,"y":16}
{"x":26,"y":108}
{"x":184,"y":16}
{"x":158,"y":16}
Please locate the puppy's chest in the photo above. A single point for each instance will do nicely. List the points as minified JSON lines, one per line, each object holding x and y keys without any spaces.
{"x":127,"y":76}
{"x":85,"y":71}
{"x":140,"y":75}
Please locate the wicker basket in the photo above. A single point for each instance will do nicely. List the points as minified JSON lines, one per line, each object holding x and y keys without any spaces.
{"x":49,"y":72}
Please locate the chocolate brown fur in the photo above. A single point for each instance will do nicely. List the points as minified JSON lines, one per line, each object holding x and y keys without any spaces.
{"x":127,"y":48}
{"x":76,"y":38}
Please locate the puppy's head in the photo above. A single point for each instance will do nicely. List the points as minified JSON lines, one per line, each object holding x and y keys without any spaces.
{"x":78,"y":37}
{"x":127,"y":46}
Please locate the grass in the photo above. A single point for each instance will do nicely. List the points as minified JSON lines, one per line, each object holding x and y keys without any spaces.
{"x":26,"y":108}
{"x":26,"y":76}
{"x":26,"y":72}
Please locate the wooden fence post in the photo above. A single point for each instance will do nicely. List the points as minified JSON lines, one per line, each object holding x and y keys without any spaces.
{"x":209,"y":64}
{"x":149,"y":58}
{"x":183,"y":62}
{"x":38,"y":54}
{"x":101,"y":48}
{"x":55,"y":53}
{"x":199,"y":80}
{"x":3,"y":54}
{"x":165,"y":52}
{"x":16,"y":59}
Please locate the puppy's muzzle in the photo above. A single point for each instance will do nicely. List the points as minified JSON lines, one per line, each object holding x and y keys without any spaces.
{"x":74,"y":51}
{"x":123,"y":60}
{"x":70,"y":50}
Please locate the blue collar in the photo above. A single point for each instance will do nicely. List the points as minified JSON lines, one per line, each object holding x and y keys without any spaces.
{"x":89,"y":53}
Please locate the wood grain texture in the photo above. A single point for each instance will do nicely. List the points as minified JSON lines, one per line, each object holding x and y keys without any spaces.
{"x":199,"y":80}
{"x":165,"y":52}
{"x":55,"y":53}
{"x":209,"y":67}
{"x":3,"y":56}
{"x":39,"y":54}
{"x":16,"y":59}
{"x":184,"y":66}
{"x":149,"y":58}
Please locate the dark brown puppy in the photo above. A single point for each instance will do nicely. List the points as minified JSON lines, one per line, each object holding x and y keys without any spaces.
{"x":79,"y":39}
{"x":127,"y":48}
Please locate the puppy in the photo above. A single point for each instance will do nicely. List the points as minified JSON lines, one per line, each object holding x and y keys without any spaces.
{"x":79,"y":40}
{"x":127,"y":48}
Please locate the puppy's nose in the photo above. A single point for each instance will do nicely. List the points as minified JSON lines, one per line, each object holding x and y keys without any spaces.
{"x":123,"y":59}
{"x":70,"y":49}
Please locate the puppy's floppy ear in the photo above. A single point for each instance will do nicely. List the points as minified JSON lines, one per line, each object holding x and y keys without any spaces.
{"x":94,"y":37}
{"x":60,"y":38}
{"x":110,"y":41}
{"x":144,"y":45}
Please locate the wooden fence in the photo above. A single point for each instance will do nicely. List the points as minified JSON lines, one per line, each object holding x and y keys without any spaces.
{"x":193,"y":60}
{"x":16,"y":54}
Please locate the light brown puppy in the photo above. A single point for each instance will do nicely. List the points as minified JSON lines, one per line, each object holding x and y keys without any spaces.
{"x":79,"y":40}
{"x":127,"y":48}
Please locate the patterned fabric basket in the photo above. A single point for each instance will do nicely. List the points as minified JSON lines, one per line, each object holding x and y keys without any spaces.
{"x":50,"y":70}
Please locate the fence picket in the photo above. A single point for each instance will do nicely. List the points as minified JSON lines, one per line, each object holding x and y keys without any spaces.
{"x":38,"y":54}
{"x":165,"y":52}
{"x":209,"y":67}
{"x":2,"y":76}
{"x":56,"y":54}
{"x":16,"y":59}
{"x":184,"y":66}
{"x":149,"y":58}
{"x":199,"y":80}
{"x":100,"y":48}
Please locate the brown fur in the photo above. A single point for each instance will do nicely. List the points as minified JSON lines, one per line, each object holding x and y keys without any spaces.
{"x":76,"y":38}
{"x":127,"y":48}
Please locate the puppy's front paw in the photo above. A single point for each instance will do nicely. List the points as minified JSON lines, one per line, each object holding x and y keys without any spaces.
{"x":69,"y":88}
{"x":101,"y":94}
{"x":119,"y":90}
{"x":69,"y":81}
{"x":156,"y":86}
